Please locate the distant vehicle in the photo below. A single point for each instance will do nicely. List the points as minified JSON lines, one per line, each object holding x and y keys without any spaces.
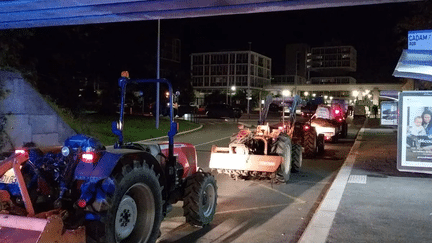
{"x":359,"y":111}
{"x":309,"y":109}
{"x":186,"y":109}
{"x":222,"y":110}
{"x":274,"y":108}
{"x":330,"y":121}
{"x":286,"y":110}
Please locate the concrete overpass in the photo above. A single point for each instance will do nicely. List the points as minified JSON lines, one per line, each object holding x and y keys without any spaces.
{"x":39,"y":13}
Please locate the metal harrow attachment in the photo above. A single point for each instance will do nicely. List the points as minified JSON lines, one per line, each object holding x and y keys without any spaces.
{"x":23,"y":225}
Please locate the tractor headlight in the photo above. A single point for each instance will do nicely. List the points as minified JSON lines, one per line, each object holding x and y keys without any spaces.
{"x":65,"y":151}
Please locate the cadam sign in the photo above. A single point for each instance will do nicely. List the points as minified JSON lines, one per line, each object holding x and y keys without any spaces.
{"x":420,"y":40}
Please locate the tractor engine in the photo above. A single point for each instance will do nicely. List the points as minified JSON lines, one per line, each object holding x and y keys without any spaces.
{"x":49,"y":177}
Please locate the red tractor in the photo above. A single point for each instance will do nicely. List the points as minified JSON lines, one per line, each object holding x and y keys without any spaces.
{"x":85,"y":191}
{"x":331,"y":122}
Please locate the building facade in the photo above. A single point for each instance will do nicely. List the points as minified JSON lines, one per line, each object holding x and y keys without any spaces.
{"x":333,"y":59}
{"x":318,"y":71}
{"x":309,"y":72}
{"x":229,"y":72}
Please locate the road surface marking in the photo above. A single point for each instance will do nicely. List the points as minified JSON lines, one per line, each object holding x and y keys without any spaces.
{"x":319,"y":226}
{"x":358,"y":179}
{"x":282,"y":193}
{"x":254,"y":208}
{"x":212,"y":141}
{"x":222,"y":231}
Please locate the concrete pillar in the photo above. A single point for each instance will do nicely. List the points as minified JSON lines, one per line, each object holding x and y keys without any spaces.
{"x":375,"y":96}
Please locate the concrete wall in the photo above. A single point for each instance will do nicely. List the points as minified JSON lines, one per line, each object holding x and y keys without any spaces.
{"x":29,"y":117}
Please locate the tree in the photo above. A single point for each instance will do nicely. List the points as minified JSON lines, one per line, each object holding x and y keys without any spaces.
{"x":419,"y":19}
{"x":13,"y":57}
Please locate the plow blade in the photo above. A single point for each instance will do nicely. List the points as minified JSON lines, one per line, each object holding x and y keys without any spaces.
{"x":14,"y":229}
{"x":249,"y":162}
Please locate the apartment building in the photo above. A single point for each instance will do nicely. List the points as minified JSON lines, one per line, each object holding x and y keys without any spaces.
{"x":319,"y":71}
{"x":229,"y":72}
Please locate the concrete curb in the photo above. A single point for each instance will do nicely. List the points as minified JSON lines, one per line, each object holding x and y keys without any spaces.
{"x":319,"y":227}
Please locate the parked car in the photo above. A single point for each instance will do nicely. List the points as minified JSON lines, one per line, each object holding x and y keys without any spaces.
{"x":186,"y":109}
{"x":222,"y":110}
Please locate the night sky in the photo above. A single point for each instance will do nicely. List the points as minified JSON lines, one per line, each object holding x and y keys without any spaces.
{"x":111,"y":48}
{"x":370,"y":29}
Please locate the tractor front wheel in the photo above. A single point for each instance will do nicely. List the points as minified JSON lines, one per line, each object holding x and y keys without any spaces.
{"x":199,"y":202}
{"x":310,"y":143}
{"x":296,"y":158}
{"x":283,"y":149}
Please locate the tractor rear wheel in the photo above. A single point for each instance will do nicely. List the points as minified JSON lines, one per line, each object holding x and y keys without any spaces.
{"x":344,"y":130}
{"x":320,"y":143}
{"x":335,"y":138}
{"x":296,"y":157}
{"x":135,"y":214}
{"x":310,"y":143}
{"x":283,"y":149}
{"x":199,"y":202}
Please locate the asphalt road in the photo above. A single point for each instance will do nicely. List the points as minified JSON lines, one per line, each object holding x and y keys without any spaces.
{"x":257,"y":211}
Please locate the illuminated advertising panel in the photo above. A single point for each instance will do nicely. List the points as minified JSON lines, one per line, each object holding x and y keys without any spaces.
{"x":415,"y":132}
{"x":389,"y":113}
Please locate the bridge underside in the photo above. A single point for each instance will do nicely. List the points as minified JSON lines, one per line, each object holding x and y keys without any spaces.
{"x":40,"y":13}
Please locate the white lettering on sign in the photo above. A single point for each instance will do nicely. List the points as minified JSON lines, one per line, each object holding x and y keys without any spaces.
{"x":418,"y":37}
{"x":267,"y":163}
{"x":420,"y":40}
{"x":8,"y":177}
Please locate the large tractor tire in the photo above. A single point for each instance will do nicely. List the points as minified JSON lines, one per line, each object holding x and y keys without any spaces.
{"x":136,"y":206}
{"x":344,"y":132}
{"x":199,"y":203}
{"x":320,"y":144}
{"x":282,"y":148}
{"x":296,"y":157}
{"x":335,"y":138}
{"x":310,"y":143}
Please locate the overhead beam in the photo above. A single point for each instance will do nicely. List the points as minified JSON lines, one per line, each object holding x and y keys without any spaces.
{"x":29,"y":14}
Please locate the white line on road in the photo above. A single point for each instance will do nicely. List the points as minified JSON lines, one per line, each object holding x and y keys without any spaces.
{"x":286,"y":195}
{"x":212,"y":141}
{"x":319,"y":227}
{"x":254,"y":208}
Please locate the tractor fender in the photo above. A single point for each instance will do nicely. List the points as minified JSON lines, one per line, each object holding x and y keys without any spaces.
{"x":111,"y":159}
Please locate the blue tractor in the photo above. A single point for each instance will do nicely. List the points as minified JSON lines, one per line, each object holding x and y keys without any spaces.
{"x":86,"y":192}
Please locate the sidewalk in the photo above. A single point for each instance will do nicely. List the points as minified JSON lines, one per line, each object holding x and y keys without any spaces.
{"x":370,"y":200}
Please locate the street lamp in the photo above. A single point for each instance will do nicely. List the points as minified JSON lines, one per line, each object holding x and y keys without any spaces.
{"x":355,"y":93}
{"x":286,"y":93}
{"x":233,"y":88}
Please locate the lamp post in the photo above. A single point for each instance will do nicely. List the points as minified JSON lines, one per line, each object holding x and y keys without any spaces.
{"x":233,"y":88}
